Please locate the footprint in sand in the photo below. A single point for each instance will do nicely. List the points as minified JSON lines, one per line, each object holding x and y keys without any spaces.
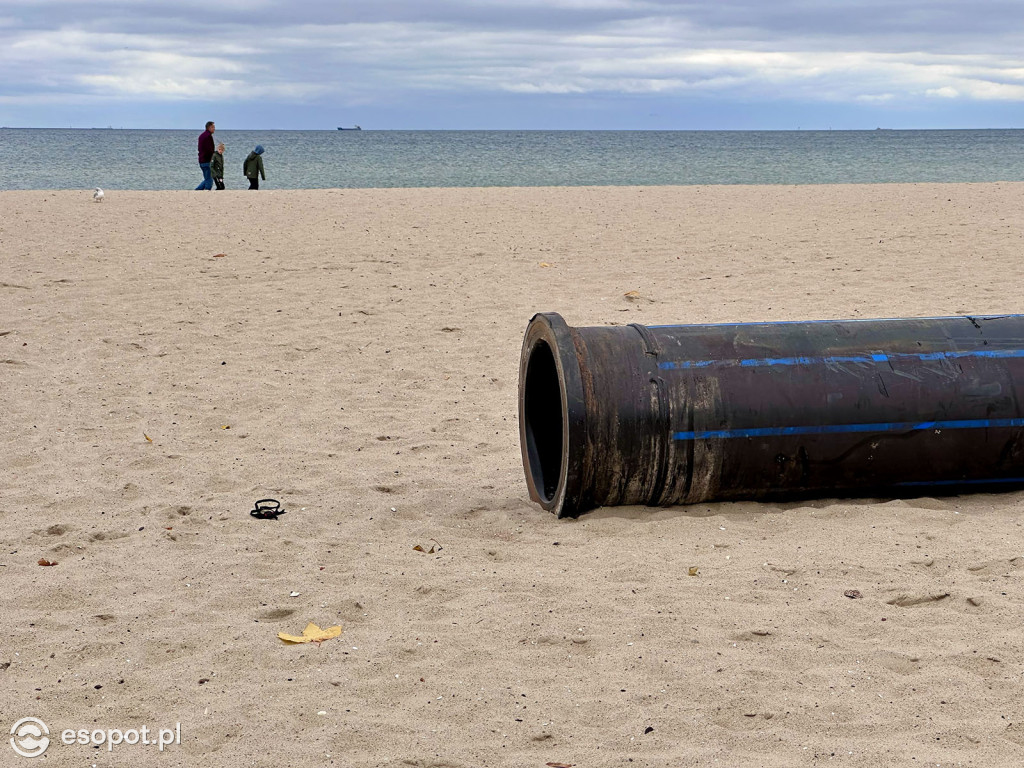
{"x":996,"y":567}
{"x":901,"y":663}
{"x":276,"y":614}
{"x":907,"y":600}
{"x":1015,"y":732}
{"x":108,"y":535}
{"x":752,"y":635}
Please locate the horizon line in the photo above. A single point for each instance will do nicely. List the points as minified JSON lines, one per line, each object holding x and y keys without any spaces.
{"x":518,"y":130}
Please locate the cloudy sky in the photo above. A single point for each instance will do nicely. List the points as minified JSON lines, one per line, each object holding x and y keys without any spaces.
{"x":515,"y":64}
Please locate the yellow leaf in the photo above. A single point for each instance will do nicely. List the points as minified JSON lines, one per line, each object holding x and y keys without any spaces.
{"x":226,"y":426}
{"x":545,"y":264}
{"x":311,"y":634}
{"x":693,"y":570}
{"x":148,"y":438}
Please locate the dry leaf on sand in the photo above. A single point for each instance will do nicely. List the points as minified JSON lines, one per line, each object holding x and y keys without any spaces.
{"x":635,"y":296}
{"x":311,"y":634}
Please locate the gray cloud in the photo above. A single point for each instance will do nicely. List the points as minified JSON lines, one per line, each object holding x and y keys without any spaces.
{"x":862,"y":52}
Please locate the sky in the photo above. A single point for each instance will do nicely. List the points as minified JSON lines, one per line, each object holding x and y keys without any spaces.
{"x":512,"y":64}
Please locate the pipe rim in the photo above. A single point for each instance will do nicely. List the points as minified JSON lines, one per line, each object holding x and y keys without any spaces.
{"x":549,"y":367}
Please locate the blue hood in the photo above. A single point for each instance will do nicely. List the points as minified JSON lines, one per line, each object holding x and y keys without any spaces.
{"x":259,"y":149}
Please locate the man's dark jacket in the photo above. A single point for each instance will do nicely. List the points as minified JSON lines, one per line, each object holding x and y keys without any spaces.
{"x":205,"y":146}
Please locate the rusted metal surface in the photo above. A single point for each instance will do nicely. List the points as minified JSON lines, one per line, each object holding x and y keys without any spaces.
{"x":663,"y":415}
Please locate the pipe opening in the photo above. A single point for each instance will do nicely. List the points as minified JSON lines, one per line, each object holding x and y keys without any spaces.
{"x":542,"y":419}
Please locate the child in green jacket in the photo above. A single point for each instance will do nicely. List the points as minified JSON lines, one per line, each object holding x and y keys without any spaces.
{"x":253,"y":167}
{"x":217,"y":166}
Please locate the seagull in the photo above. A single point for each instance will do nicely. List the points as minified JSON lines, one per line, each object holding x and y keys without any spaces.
{"x":97,"y":195}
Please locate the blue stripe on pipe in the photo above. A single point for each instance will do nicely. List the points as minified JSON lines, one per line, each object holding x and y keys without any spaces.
{"x":828,"y":429}
{"x":875,"y":357}
{"x":976,"y":481}
{"x":847,"y":320}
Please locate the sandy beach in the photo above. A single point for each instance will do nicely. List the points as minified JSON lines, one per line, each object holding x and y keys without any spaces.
{"x":168,"y":358}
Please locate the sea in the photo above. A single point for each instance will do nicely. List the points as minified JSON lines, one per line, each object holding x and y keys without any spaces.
{"x":166,"y":159}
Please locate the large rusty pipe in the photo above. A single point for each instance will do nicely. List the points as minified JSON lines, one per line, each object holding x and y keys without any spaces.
{"x":679,"y":414}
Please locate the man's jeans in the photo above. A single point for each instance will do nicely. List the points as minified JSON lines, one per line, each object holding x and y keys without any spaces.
{"x":207,"y":182}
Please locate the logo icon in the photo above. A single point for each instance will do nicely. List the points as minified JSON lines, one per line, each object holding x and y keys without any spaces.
{"x":30,"y":737}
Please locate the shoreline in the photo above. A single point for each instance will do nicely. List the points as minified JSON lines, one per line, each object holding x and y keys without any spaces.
{"x":587,"y":187}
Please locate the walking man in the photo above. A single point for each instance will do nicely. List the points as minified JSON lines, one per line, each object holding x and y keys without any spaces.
{"x":205,"y":155}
